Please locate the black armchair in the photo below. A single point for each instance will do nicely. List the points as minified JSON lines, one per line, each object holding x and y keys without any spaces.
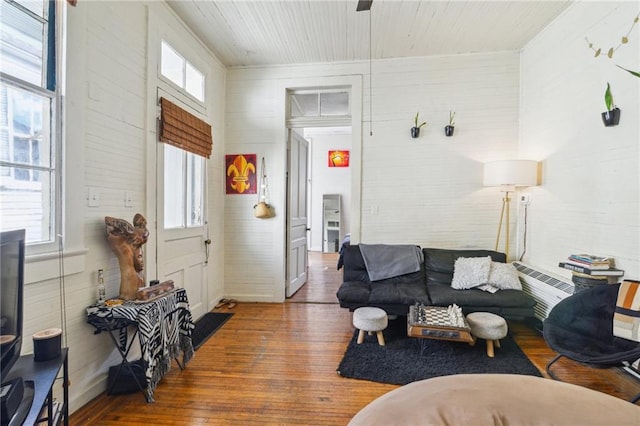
{"x":580,"y":328}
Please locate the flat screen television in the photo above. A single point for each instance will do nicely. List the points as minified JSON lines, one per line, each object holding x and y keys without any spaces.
{"x":12,"y":246}
{"x":15,"y":398}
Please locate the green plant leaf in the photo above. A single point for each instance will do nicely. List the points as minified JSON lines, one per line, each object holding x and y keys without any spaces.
{"x":636,"y":73}
{"x":598,"y":52}
{"x":608,"y":98}
{"x":610,"y":53}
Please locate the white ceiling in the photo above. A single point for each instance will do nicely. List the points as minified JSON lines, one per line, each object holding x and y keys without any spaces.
{"x":265,"y":32}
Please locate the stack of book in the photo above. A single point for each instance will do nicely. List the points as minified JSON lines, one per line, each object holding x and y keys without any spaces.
{"x":594,"y":266}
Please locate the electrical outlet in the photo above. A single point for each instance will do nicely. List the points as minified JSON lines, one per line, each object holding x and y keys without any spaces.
{"x":128,"y":199}
{"x":93,"y":199}
{"x":525,"y":199}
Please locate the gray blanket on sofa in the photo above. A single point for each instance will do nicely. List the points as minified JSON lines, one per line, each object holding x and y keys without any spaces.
{"x":386,"y":261}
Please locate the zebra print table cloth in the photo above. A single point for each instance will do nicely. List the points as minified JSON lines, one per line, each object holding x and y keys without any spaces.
{"x":164,"y":330}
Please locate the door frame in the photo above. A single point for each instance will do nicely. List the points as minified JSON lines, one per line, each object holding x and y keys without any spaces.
{"x":160,"y":23}
{"x":354,"y":83}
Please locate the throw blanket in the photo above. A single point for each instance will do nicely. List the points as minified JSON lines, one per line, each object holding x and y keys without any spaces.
{"x":164,"y":330}
{"x":626,"y":317}
{"x":387,"y":261}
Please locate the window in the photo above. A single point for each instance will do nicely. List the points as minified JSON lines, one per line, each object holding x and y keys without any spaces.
{"x":29,"y":168}
{"x":181,"y":72}
{"x":183,"y":188}
{"x":319,"y":103}
{"x":184,"y":171}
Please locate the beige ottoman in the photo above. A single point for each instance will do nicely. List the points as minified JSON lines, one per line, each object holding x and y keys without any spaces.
{"x":370,"y":320}
{"x":488,"y":326}
{"x":491,"y":399}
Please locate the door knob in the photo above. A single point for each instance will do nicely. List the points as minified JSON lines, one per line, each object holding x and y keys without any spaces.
{"x":207,"y":241}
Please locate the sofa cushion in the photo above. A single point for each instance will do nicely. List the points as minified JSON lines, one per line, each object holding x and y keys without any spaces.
{"x":504,"y":276}
{"x":404,"y":291}
{"x":439,"y":263}
{"x":354,"y":292}
{"x":469,"y":272}
{"x":444,"y":295}
{"x":354,"y":266}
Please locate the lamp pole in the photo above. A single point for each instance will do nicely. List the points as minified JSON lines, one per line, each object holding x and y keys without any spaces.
{"x":506,"y":200}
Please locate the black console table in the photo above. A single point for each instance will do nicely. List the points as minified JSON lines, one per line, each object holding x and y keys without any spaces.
{"x":43,"y":375}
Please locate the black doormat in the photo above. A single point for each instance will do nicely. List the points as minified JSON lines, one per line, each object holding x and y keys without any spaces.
{"x":408,"y":359}
{"x":206,"y":326}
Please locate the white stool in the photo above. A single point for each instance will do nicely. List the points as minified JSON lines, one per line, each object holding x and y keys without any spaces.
{"x":488,"y":326}
{"x":370,"y":319}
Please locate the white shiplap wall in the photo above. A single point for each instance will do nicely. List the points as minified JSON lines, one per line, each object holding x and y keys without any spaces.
{"x":426,"y":191}
{"x":107,"y":106}
{"x":589,"y":200}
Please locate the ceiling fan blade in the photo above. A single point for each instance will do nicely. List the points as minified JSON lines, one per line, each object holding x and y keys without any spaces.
{"x":363,"y":5}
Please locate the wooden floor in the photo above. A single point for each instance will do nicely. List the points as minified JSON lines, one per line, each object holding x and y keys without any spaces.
{"x":275,"y":364}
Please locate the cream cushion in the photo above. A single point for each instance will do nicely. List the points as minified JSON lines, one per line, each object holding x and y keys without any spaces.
{"x":469,"y":272}
{"x":496,"y":399}
{"x":504,"y":276}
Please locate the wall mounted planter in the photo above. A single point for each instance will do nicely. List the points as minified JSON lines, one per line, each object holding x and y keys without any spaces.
{"x":448,"y":130}
{"x":611,"y":118}
{"x":415,"y":132}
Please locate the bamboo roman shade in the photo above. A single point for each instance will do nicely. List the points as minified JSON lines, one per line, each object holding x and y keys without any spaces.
{"x":184,"y":130}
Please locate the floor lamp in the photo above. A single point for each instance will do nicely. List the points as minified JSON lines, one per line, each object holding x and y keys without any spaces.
{"x":509,"y":174}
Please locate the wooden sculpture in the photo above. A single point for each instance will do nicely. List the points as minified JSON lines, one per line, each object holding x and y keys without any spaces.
{"x":126,"y":242}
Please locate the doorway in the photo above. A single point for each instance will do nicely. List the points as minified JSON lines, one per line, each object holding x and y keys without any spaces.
{"x":326,"y":105}
{"x":326,"y":182}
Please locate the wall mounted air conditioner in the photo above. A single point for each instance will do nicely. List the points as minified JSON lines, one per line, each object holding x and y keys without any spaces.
{"x":546,"y":288}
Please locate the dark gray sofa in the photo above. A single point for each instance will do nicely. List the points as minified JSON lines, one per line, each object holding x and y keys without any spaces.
{"x":430,"y":286}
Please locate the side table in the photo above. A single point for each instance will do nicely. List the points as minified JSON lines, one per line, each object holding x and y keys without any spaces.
{"x":163,"y":327}
{"x":39,"y":378}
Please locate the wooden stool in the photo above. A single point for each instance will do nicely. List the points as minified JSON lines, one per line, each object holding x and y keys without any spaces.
{"x":370,"y":319}
{"x":488,"y":326}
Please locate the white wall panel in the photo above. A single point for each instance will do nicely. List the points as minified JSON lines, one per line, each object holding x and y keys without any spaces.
{"x":589,"y":200}
{"x":107,"y":90}
{"x":426,"y":191}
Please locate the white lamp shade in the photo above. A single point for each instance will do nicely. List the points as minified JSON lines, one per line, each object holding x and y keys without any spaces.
{"x":511,"y":173}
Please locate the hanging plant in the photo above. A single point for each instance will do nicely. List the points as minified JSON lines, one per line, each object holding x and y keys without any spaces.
{"x":415,"y":130}
{"x":448,"y":129}
{"x":611,"y":117}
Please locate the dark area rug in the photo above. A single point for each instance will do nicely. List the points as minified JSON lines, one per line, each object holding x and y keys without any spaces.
{"x":408,"y":359}
{"x":206,"y":326}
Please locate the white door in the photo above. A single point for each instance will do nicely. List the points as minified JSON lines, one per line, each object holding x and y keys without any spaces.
{"x":181,"y":226}
{"x":297,"y":246}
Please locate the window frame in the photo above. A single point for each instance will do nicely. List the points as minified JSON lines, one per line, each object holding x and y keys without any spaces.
{"x":173,"y":92}
{"x":51,"y":88}
{"x":182,"y":88}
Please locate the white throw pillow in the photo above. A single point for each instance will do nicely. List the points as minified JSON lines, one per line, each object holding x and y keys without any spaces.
{"x":504,"y":276}
{"x":469,"y":272}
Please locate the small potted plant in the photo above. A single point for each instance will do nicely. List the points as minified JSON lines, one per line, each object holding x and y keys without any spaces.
{"x":448,"y":129}
{"x":415,"y":130}
{"x":611,"y":117}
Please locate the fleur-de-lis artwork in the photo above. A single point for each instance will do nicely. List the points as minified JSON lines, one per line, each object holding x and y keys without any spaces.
{"x":241,"y":173}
